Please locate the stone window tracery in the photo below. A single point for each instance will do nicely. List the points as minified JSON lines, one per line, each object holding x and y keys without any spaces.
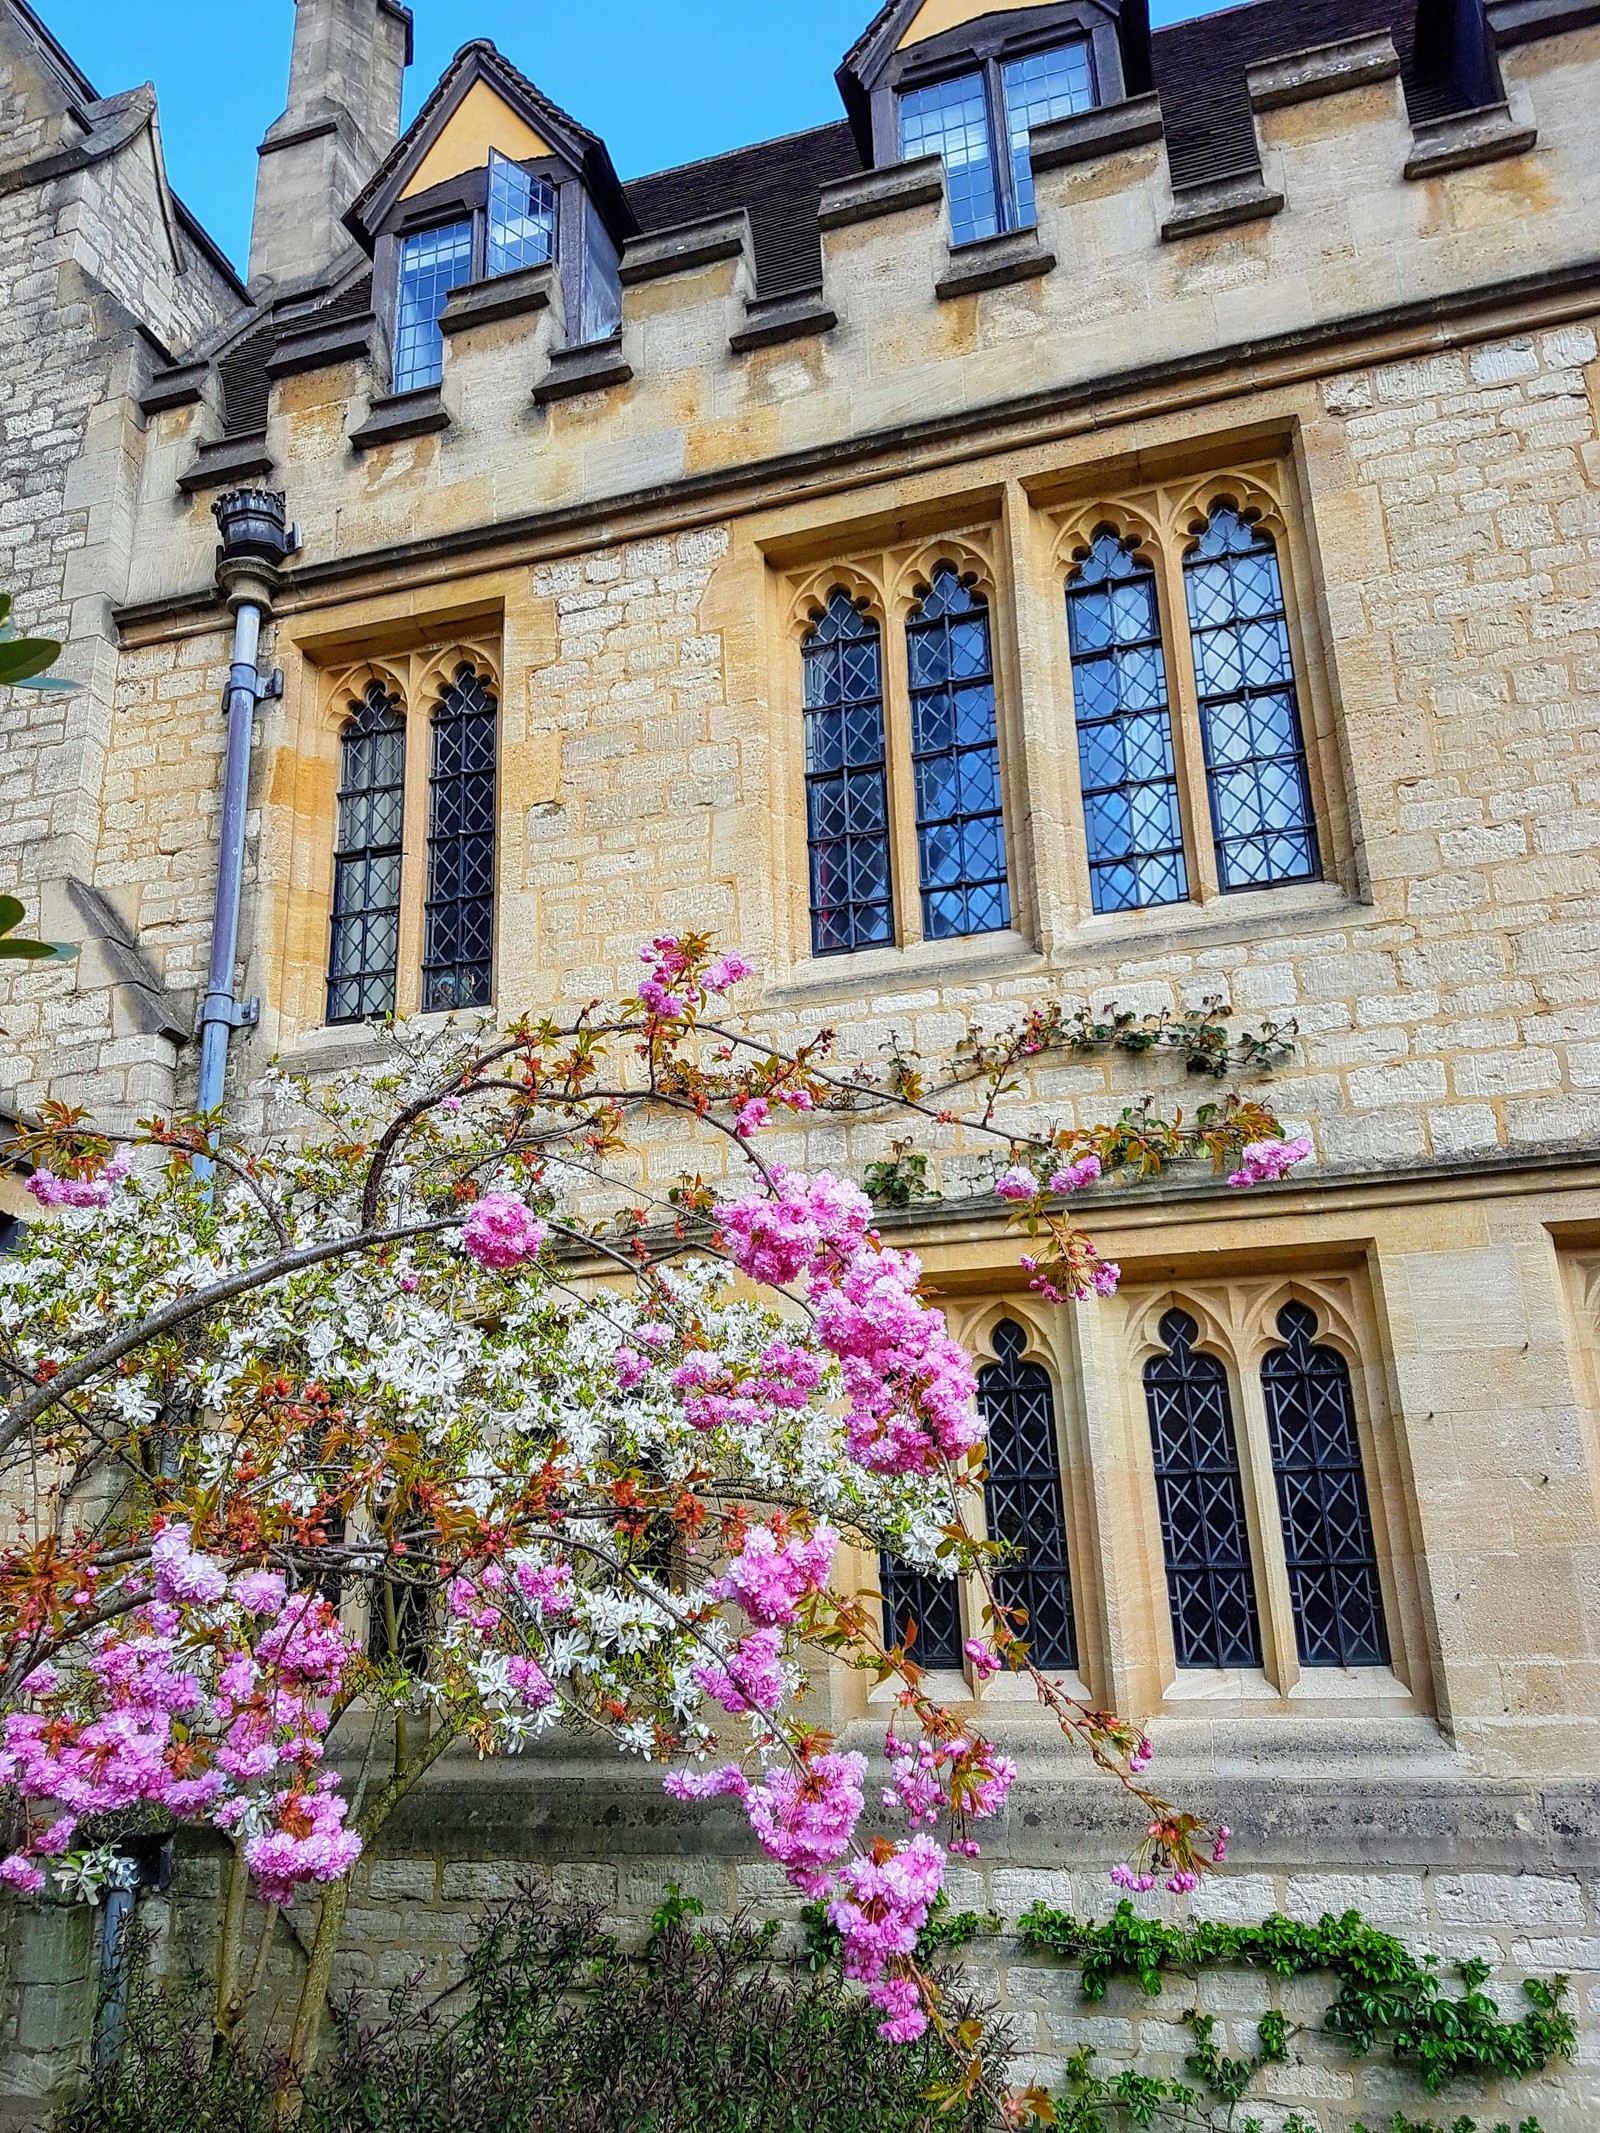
{"x":1202,"y":768}
{"x":458,"y":957}
{"x":408,"y":834}
{"x":901,"y":749}
{"x":368,"y":856}
{"x":1024,"y":1500}
{"x":1322,"y":1496}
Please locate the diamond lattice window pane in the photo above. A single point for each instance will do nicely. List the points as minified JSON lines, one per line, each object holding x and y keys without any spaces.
{"x":458,"y":934}
{"x":960,"y":821}
{"x":846,"y":814}
{"x":1025,"y":1504}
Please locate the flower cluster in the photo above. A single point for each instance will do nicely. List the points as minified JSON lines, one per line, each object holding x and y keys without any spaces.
{"x":676,"y":978}
{"x":882,"y":1903}
{"x":97,"y":1191}
{"x":752,"y":1680}
{"x":1264,"y":1162}
{"x":501,"y":1233}
{"x":770,"y":1576}
{"x":190,"y":1701}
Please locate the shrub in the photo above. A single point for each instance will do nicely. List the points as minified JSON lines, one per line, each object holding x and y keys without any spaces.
{"x":554,"y":2029}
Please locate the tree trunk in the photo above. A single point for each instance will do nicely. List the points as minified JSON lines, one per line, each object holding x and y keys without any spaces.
{"x":306,"y":2036}
{"x":229,"y":2005}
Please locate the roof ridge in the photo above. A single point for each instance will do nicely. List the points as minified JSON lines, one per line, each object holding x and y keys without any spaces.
{"x":745,"y":148}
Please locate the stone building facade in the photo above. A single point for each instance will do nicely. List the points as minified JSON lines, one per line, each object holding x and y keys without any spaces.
{"x":1312,"y":286}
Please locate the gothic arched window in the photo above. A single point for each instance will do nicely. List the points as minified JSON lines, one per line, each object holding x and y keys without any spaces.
{"x":1125,"y":756}
{"x":847,"y":785}
{"x":1210,"y":1583}
{"x":1322,"y":1495}
{"x":1024,"y":1497}
{"x":365,"y":948}
{"x":458,"y":955}
{"x":955,"y":754}
{"x":1261,"y":813}
{"x":933,"y":1604}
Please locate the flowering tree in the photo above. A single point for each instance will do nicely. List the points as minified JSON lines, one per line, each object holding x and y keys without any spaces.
{"x":420,"y":1419}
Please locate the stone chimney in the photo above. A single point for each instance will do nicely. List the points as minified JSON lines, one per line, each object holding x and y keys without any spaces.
{"x":343,"y":117}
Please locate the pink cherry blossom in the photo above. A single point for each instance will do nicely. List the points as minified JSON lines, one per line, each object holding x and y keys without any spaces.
{"x":51,"y":1191}
{"x":769,"y":1577}
{"x":1263,"y":1162}
{"x":752,"y":1678}
{"x":805,"y":1818}
{"x":728,"y":971}
{"x":632,"y":1369}
{"x":181,"y":1573}
{"x":20,"y":1873}
{"x":982,"y":1660}
{"x":1017,"y":1184}
{"x":309,"y":1843}
{"x":531,"y":1682}
{"x":1076,"y":1175}
{"x":502,"y":1233}
{"x":752,"y":1116}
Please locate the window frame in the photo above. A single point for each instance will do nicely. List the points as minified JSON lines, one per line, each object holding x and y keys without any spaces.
{"x":1163,"y":524}
{"x":987,"y":57}
{"x":1238,"y":1328}
{"x":888,"y":586}
{"x":417,"y":681}
{"x":465,"y":198}
{"x":989,"y":43}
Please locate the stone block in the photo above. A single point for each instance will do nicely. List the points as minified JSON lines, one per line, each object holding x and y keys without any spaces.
{"x":1530,"y":1902}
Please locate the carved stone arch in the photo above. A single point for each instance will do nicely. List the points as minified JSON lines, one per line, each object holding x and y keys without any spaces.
{"x":1329,"y":1300}
{"x":979,"y":1328}
{"x":809,"y":595}
{"x":1218,"y":1335}
{"x":1254,"y":497}
{"x":345,"y":689}
{"x":434,"y":672}
{"x":969,"y":554}
{"x":1076,"y":531}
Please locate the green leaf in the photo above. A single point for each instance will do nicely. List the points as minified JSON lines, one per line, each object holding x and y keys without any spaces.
{"x":57,"y":684}
{"x":11,"y":914}
{"x":21,"y":657}
{"x":36,"y":952}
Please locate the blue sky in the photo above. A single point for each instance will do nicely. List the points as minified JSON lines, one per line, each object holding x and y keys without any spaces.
{"x":664,"y":81}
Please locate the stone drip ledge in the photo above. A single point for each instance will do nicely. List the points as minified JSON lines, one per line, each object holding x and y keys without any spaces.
{"x":593,"y":368}
{"x":397,"y":416}
{"x":1322,"y":70}
{"x":1464,"y":138}
{"x":1218,"y":204}
{"x":795,"y":315}
{"x":228,"y":461}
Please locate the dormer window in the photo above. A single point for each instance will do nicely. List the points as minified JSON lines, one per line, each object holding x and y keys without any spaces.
{"x":450,"y":207}
{"x":962,"y":116}
{"x":969,"y":80}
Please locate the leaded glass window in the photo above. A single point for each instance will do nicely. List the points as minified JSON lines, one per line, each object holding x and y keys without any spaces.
{"x":601,"y":308}
{"x":365,"y":949}
{"x":1322,"y":1495}
{"x":951,"y":119}
{"x":1040,"y":87}
{"x":522,"y":218}
{"x":1125,"y":757}
{"x":933,"y":1604}
{"x":458,"y":954}
{"x":1024,"y":1498}
{"x":1210,"y":1583}
{"x":431,"y":265}
{"x":955,"y":753}
{"x":1261,"y":813}
{"x":847,"y":786}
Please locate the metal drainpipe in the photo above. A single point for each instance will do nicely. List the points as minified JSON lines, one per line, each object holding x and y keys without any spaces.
{"x":255,"y":542}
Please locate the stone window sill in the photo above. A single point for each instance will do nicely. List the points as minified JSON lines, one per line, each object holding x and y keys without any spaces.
{"x":993,"y":263}
{"x":401,"y":415}
{"x":591,"y":369}
{"x":916,"y":966}
{"x":882,"y":192}
{"x":797,"y":315}
{"x":228,"y":460}
{"x":1465,"y":138}
{"x":1250,"y":915}
{"x":506,"y":296}
{"x":1219,"y":204}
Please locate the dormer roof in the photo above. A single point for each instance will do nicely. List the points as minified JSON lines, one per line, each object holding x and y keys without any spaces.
{"x":479,"y":96}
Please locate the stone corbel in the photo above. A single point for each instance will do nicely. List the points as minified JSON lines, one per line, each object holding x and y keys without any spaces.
{"x":1463,"y":138}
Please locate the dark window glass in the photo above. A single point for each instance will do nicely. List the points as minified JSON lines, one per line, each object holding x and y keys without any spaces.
{"x":933,"y":1604}
{"x":458,"y":957}
{"x":961,"y":836}
{"x":367,"y":855}
{"x":1119,"y":685}
{"x":847,"y":787}
{"x":1024,"y":1498}
{"x":951,"y":119}
{"x":522,"y":218}
{"x":1322,"y":1494}
{"x":601,"y":308}
{"x":1210,"y":1585}
{"x":1261,"y":813}
{"x":1040,"y":87}
{"x":431,"y":265}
